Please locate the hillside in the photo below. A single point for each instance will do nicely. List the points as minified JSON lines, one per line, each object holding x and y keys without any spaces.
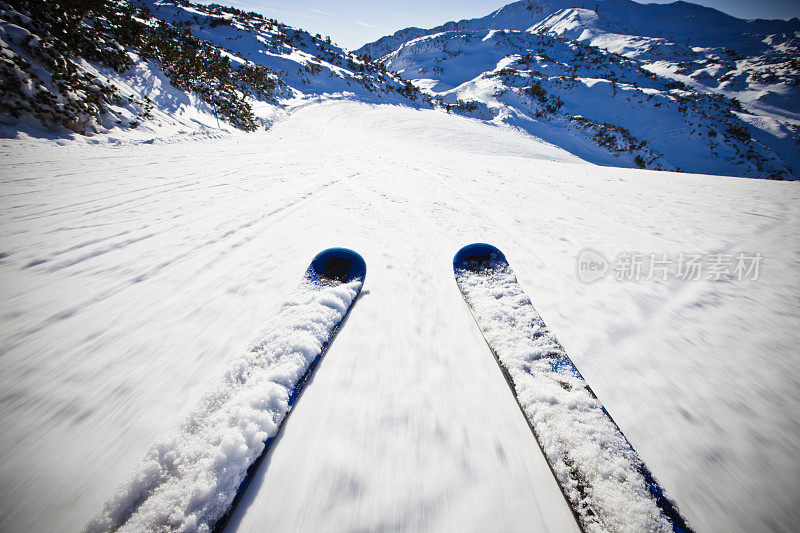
{"x":666,"y":87}
{"x":673,"y":87}
{"x":134,"y":275}
{"x":166,"y":66}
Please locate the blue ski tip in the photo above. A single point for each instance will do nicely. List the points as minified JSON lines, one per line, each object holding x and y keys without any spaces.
{"x":337,"y":265}
{"x":478,"y":256}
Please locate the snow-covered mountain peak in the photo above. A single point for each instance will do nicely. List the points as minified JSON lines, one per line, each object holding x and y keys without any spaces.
{"x":672,"y":86}
{"x":677,"y":21}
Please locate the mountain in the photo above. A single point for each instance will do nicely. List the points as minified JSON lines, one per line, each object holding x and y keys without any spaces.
{"x":672,"y":86}
{"x":677,"y":22}
{"x":163,"y":65}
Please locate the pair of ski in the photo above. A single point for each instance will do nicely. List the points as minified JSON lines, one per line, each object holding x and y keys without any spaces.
{"x":605,"y":483}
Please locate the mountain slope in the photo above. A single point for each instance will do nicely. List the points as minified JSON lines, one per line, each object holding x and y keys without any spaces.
{"x":92,"y":67}
{"x":677,"y":21}
{"x":134,"y":274}
{"x":676,"y":86}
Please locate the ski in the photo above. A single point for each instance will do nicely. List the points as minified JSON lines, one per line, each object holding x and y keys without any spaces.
{"x":329,"y":269}
{"x":603,"y":479}
{"x":195,"y":478}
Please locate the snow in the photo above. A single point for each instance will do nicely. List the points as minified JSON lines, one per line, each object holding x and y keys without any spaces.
{"x":189,"y":479}
{"x":295,"y":68}
{"x":594,"y":463}
{"x":133,"y":275}
{"x":642,"y":53}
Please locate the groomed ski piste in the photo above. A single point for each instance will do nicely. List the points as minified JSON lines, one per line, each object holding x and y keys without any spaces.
{"x":136,"y":275}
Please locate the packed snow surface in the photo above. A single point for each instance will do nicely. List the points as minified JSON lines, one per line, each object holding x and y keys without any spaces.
{"x":188,"y":480}
{"x":595,"y":465}
{"x":134,"y":274}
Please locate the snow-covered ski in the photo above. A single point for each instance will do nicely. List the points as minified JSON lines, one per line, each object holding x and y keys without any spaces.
{"x":194,"y":479}
{"x":605,"y":482}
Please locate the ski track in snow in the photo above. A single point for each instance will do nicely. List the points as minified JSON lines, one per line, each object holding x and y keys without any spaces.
{"x":133,"y":275}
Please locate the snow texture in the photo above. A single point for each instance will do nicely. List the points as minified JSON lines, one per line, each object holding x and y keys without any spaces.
{"x":595,"y":465}
{"x":188,"y":480}
{"x":131,"y":274}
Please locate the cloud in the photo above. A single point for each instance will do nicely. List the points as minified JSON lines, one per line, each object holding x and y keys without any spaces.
{"x":310,"y":9}
{"x":365,"y":24}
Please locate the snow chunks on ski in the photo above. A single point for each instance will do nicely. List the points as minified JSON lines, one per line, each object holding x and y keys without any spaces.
{"x":192,"y":479}
{"x":607,"y":485}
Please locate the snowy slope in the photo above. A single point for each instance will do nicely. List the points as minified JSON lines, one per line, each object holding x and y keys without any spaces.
{"x":676,"y":21}
{"x":145,"y":68}
{"x":132,"y":275}
{"x":676,"y":87}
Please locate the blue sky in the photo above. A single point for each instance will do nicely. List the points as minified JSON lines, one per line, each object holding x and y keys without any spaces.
{"x":356,"y":22}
